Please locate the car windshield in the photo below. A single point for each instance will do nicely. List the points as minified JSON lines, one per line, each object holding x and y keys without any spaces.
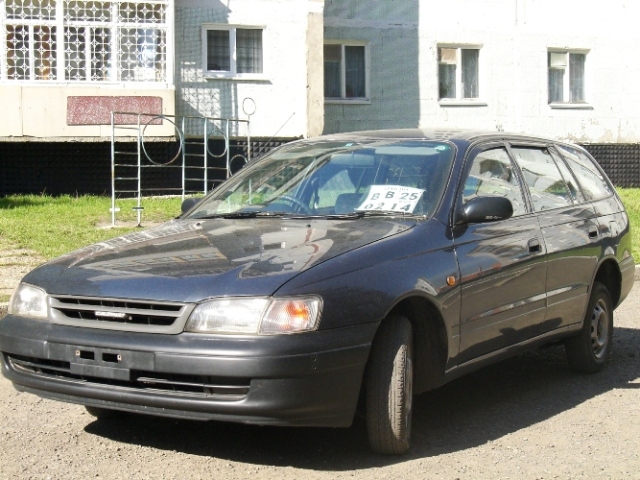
{"x":324,"y":178}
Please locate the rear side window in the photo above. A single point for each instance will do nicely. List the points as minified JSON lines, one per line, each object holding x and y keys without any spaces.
{"x":541,"y":174}
{"x":569,"y":178}
{"x":593,"y":184}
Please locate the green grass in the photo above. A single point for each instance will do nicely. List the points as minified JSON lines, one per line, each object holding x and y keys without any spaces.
{"x":631,"y":199}
{"x":51,"y":226}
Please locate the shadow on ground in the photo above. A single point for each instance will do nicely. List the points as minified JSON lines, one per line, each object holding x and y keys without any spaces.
{"x":466,"y":413}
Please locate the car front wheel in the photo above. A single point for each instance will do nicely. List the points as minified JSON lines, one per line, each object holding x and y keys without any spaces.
{"x":389,"y":387}
{"x":589,"y":350}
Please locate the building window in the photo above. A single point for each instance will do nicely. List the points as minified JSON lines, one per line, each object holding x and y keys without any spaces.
{"x":345,"y":72}
{"x":233,"y":51}
{"x":458,"y":73}
{"x":85,"y":41}
{"x":567,"y":77}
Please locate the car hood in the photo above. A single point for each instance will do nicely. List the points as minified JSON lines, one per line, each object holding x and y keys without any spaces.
{"x":189,"y":260}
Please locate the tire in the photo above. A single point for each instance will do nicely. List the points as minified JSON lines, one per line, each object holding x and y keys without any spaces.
{"x":103,"y":413}
{"x":389,"y":387}
{"x":589,"y":351}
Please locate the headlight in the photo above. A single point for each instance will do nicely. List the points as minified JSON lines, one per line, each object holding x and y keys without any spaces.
{"x":261,"y":316}
{"x":28,"y":301}
{"x":228,"y":315}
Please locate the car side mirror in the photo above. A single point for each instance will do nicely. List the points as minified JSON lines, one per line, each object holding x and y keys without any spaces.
{"x":189,"y":203}
{"x":485,"y":209}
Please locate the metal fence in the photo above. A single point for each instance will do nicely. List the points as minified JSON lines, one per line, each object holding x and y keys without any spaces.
{"x":200,"y":168}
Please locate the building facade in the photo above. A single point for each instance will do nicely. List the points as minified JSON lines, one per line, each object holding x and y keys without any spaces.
{"x":288,"y":69}
{"x":66,"y":64}
{"x":252,"y":57}
{"x":559,"y":69}
{"x":188,"y":66}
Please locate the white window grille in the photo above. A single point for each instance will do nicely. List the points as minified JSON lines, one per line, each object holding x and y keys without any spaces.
{"x":567,"y":77}
{"x":84,"y":41}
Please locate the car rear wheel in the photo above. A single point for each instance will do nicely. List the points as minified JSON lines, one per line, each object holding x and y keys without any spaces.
{"x":589,"y":350}
{"x":389,"y":387}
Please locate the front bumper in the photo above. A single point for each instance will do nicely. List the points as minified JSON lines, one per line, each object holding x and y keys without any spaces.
{"x":310,"y":379}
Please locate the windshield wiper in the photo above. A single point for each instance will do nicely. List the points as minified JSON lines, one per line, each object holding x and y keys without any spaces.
{"x":254,"y":214}
{"x":387,"y":213}
{"x":366,"y":213}
{"x":297,"y":216}
{"x":245,"y":214}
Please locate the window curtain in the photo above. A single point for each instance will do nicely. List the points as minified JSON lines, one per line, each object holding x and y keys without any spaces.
{"x":249,"y":51}
{"x":557,"y":66}
{"x":470,"y":82}
{"x":355,"y":72}
{"x":332,"y":61}
{"x":556,"y":81}
{"x":446,"y":80}
{"x":576,"y":77}
{"x":218,"y":51}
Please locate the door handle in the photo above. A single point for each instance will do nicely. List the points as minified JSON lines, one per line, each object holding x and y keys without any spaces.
{"x":534,"y":246}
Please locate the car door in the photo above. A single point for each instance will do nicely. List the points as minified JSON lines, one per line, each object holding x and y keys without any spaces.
{"x":569,"y":228}
{"x":502,"y":264}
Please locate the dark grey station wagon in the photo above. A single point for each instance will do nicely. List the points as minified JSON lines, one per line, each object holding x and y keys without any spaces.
{"x":334,"y":274}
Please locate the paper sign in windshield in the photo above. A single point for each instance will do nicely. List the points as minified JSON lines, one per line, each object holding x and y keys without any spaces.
{"x":391,"y":197}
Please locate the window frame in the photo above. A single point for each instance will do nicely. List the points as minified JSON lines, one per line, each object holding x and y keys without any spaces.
{"x":233,"y":61}
{"x":343,"y":99}
{"x":567,"y":102}
{"x":460,"y":100}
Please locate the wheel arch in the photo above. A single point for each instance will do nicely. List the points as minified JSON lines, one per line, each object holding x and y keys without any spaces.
{"x":430,"y":341}
{"x":609,"y":275}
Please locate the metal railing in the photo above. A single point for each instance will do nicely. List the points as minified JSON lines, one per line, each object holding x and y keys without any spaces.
{"x":193,"y":157}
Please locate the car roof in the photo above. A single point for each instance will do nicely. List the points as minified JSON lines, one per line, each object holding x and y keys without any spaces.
{"x":441,"y":134}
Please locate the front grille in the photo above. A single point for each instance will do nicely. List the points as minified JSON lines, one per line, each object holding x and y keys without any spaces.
{"x":152,"y":382}
{"x":118,"y":314}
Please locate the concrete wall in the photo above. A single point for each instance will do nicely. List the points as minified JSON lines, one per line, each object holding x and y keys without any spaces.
{"x":315,"y":82}
{"x":41,"y":112}
{"x":288,"y":99}
{"x":514,"y":36}
{"x":391,"y":30}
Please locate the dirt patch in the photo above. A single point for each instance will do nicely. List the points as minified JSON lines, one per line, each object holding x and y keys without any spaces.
{"x":15,"y":263}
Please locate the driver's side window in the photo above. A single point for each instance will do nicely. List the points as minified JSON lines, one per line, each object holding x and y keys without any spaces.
{"x":492,"y":173}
